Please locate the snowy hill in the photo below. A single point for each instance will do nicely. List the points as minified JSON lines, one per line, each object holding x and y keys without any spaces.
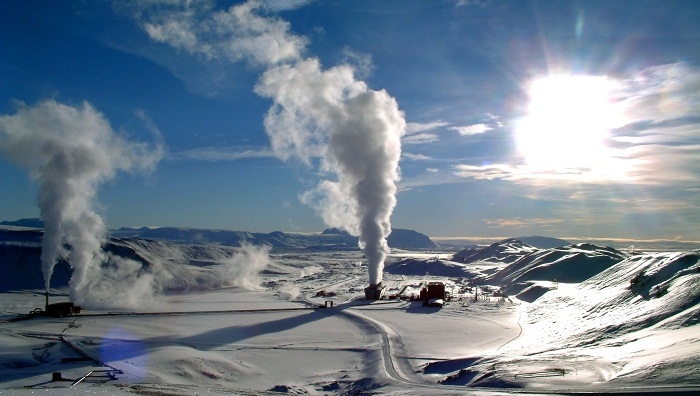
{"x":544,"y":242}
{"x":632,"y":325}
{"x":433,"y":267}
{"x":505,"y":251}
{"x":569,"y":264}
{"x":660,"y":291}
{"x":178,"y":266}
{"x":516,"y":267}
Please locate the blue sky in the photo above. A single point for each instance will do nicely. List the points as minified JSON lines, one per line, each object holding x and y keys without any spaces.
{"x":566,"y":118}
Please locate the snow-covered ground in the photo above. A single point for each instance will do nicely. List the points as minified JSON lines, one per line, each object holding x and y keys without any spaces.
{"x":521,"y":319}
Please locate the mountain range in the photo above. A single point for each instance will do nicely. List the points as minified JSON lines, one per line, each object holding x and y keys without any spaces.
{"x":330,"y":239}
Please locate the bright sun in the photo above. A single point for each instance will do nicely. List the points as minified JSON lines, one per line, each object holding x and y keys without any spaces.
{"x":568,"y":123}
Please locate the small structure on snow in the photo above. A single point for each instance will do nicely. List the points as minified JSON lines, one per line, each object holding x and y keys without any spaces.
{"x":374,"y":292}
{"x":434,"y":294}
{"x":57,"y":310}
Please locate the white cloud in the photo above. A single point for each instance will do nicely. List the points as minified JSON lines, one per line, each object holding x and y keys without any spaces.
{"x":420,"y":138}
{"x":236,"y":34}
{"x":661,"y":93}
{"x":362,"y":63}
{"x":471,"y":129}
{"x":214,"y":154}
{"x":416,"y":157}
{"x":518,"y":222}
{"x":285,"y":5}
{"x":661,"y":142}
{"x":415,"y":127}
{"x":532,"y":174}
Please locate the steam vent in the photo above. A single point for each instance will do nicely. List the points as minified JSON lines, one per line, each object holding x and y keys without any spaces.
{"x":374,"y":292}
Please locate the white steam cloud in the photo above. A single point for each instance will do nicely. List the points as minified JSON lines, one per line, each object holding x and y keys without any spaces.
{"x":326,"y":114}
{"x":289,"y":292}
{"x":243,"y":268}
{"x":70,"y":151}
{"x":120,"y":282}
{"x":357,"y":134}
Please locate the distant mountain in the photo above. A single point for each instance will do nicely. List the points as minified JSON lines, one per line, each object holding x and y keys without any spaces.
{"x":333,"y":238}
{"x":334,"y":231}
{"x":31,"y":223}
{"x":409,"y":239}
{"x":544,"y":242}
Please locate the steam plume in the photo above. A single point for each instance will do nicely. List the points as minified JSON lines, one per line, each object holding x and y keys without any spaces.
{"x":325,"y":114}
{"x":69,"y":151}
{"x":243,"y":268}
{"x":355,"y":131}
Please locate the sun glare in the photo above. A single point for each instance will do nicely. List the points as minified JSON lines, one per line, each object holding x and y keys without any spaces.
{"x":568,"y":122}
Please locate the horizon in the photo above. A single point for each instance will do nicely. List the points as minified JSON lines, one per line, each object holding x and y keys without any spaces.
{"x":514,"y":118}
{"x":650,"y":245}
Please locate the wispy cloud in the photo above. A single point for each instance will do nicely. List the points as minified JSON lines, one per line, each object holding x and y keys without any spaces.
{"x":415,"y":127}
{"x":517,"y":222}
{"x":415,"y":157}
{"x":285,"y":5}
{"x":361,"y":62}
{"x":534,"y":174}
{"x":420,"y":138}
{"x":429,"y":177}
{"x":236,"y":34}
{"x":489,"y":122}
{"x":476,"y":3}
{"x":661,"y":93}
{"x":471,"y":129}
{"x":422,"y":133}
{"x":214,"y":154}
